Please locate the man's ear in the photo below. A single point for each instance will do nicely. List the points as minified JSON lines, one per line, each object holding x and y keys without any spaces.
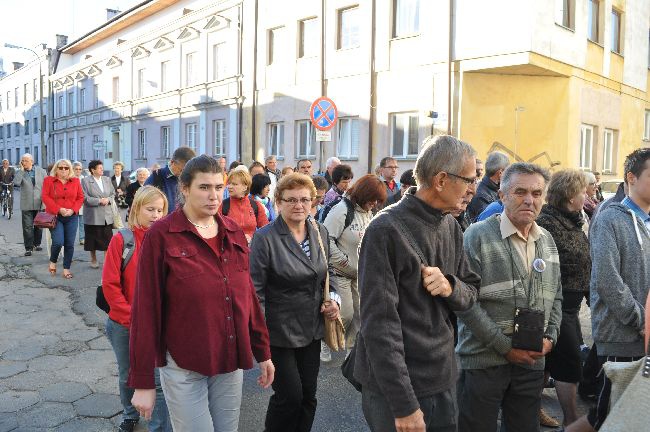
{"x":501,"y":195}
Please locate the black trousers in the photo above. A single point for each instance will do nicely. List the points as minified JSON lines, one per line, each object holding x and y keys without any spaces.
{"x":293,"y":405}
{"x":31,"y":235}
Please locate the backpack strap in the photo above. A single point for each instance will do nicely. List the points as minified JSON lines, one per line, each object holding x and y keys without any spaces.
{"x":349,"y":215}
{"x":225,"y":207}
{"x":254,"y":206}
{"x":128,"y":247}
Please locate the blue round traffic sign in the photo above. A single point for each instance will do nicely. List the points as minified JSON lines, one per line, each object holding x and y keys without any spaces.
{"x":323,"y":113}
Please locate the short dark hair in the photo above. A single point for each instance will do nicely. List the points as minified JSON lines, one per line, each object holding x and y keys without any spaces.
{"x":234,"y":164}
{"x":301,"y":161}
{"x":260,"y":181}
{"x":199,"y":164}
{"x":256,"y":164}
{"x":319,"y":182}
{"x":342,"y":172}
{"x":183,"y":154}
{"x":94,"y":164}
{"x":367,"y":189}
{"x":407,"y":178}
{"x":384,"y":161}
{"x":635,"y":162}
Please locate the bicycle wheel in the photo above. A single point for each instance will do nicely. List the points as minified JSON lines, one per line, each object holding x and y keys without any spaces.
{"x":10,"y":206}
{"x":4,"y":205}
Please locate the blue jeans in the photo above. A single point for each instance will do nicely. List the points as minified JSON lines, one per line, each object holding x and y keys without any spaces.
{"x":118,"y":335}
{"x":81,"y":228}
{"x":63,"y":236}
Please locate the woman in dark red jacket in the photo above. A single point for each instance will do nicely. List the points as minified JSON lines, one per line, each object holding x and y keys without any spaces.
{"x":63,"y":197}
{"x":195,"y":310}
{"x":148,"y":205}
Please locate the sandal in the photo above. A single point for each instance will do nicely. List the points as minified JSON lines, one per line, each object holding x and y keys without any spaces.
{"x":67,"y":275}
{"x":52,"y":270}
{"x":94,"y":265}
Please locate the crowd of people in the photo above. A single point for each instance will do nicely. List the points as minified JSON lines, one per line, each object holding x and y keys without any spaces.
{"x":459,"y":284}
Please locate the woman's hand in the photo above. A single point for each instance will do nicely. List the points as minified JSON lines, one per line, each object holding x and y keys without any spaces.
{"x":103,"y":201}
{"x":267,"y":374}
{"x":330,"y":309}
{"x":143,"y":401}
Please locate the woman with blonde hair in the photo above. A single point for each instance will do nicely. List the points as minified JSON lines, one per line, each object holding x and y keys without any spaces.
{"x":120,"y":183}
{"x":63,"y":196}
{"x":118,"y":283}
{"x":239,"y":206}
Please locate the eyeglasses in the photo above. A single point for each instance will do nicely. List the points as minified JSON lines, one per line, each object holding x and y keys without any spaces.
{"x":294,"y":201}
{"x":468,"y":181}
{"x":392,"y":167}
{"x":64,"y":168}
{"x":319,"y":197}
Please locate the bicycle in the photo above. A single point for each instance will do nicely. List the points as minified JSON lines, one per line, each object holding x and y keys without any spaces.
{"x":7,"y":200}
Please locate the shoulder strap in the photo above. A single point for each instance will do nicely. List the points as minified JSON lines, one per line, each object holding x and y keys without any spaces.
{"x":256,"y":209}
{"x":326,"y":290}
{"x":128,"y":246}
{"x":349,"y":215}
{"x":403,"y":227}
{"x":225,"y":207}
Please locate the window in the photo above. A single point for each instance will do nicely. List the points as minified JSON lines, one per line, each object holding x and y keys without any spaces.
{"x":348,"y":30}
{"x":406,"y":17}
{"x":98,"y":154}
{"x":608,"y":150}
{"x":8,"y":99}
{"x":116,"y":89}
{"x":220,"y":62}
{"x":276,"y":139}
{"x":71,"y":149}
{"x":70,"y":103}
{"x":190,"y":78}
{"x":616,"y":31}
{"x":9,"y":154}
{"x":17,"y":130}
{"x":142,"y":143}
{"x":646,"y":128}
{"x":309,"y":43}
{"x":565,"y":13}
{"x":36,"y":92}
{"x":60,"y":107}
{"x":165,"y":150}
{"x":0,"y":103}
{"x":140,"y":84}
{"x":593,"y":7}
{"x":164,"y":76}
{"x":59,"y":151}
{"x":25,"y":94}
{"x":8,"y":131}
{"x":219,"y":137}
{"x":35,"y":125}
{"x":95,"y":96}
{"x":404,"y":133}
{"x":190,"y":135}
{"x":82,"y":100}
{"x":2,"y":129}
{"x":275,"y":45}
{"x":35,"y":154}
{"x":16,"y":97}
{"x":26,"y":127}
{"x":348,"y":142}
{"x":44,"y":123}
{"x":586,"y":146}
{"x":306,"y":139}
{"x":81,"y":153}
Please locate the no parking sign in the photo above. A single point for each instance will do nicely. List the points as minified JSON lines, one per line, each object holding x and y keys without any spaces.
{"x":323,"y":114}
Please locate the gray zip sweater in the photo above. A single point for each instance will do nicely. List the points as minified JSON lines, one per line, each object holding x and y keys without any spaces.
{"x":620,"y":277}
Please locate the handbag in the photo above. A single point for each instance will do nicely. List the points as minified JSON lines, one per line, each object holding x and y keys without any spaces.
{"x":347,"y":368}
{"x":45,"y":220}
{"x":117,"y":218}
{"x":630,"y":396}
{"x":334,"y":329}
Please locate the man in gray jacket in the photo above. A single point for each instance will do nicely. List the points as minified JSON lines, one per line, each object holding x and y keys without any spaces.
{"x":30,"y":180}
{"x":412,"y":274}
{"x":620,"y":278}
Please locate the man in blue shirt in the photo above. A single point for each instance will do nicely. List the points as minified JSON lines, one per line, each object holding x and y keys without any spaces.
{"x":166,"y":179}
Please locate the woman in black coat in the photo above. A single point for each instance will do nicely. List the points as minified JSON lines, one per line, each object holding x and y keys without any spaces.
{"x":562,"y":217}
{"x":288,"y":271}
{"x":120,"y":184}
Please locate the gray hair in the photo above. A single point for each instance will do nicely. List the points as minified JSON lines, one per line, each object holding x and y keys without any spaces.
{"x":120,"y":163}
{"x":591,"y":178}
{"x":142,"y":170}
{"x":332,"y":161}
{"x":269,"y":158}
{"x":442,"y":153}
{"x":77,"y":164}
{"x":27,"y":155}
{"x":522,"y":168}
{"x":495,"y":162}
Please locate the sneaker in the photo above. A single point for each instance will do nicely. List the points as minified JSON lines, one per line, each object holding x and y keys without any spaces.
{"x":38,"y":248}
{"x":128,"y":425}
{"x":325,"y":353}
{"x":547,"y":420}
{"x":81,"y":242}
{"x":28,"y":253}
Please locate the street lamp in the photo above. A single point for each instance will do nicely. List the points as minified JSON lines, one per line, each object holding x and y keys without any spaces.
{"x":43,"y":158}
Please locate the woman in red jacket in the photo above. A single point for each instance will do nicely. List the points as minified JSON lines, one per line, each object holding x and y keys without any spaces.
{"x":63,"y":197}
{"x":195,"y":314}
{"x":240,"y":206}
{"x":149,"y":204}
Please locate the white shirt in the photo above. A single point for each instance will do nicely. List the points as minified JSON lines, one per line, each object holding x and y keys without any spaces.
{"x":100,"y":183}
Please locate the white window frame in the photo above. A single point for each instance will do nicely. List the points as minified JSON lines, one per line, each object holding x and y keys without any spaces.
{"x":190,"y":135}
{"x":593,"y":22}
{"x":82,"y":148}
{"x":348,"y":28}
{"x":142,"y":143}
{"x":140,"y":83}
{"x":565,"y":13}
{"x":220,"y":61}
{"x":59,"y":150}
{"x":190,"y":68}
{"x":397,"y":119}
{"x":406,"y":18}
{"x":309,"y":38}
{"x":276,"y":38}
{"x":608,"y":151}
{"x":116,"y":89}
{"x":165,"y":142}
{"x":82,"y":99}
{"x":71,"y":150}
{"x":307,"y":149}
{"x":275,"y":144}
{"x":616,"y":31}
{"x":97,"y":153}
{"x":70,"y":102}
{"x":586,"y":146}
{"x":646,"y":126}
{"x":164,"y":76}
{"x":59,"y":106}
{"x":346,"y":148}
{"x":95,"y":96}
{"x":219,"y":147}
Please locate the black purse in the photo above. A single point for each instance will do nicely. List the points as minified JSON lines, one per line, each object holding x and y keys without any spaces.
{"x":528,"y":331}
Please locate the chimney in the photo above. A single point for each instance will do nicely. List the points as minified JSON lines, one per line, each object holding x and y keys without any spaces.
{"x":17,"y":65}
{"x":110,"y":13}
{"x":61,"y":41}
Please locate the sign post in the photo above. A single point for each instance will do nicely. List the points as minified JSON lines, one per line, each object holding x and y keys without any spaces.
{"x":323,"y":115}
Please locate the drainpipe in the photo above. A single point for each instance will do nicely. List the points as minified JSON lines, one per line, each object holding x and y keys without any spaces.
{"x":449,"y":60}
{"x":373,"y":85}
{"x":323,"y":89}
{"x":240,"y":96}
{"x":254,"y":108}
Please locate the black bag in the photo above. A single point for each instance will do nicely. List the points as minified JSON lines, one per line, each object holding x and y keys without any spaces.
{"x":225,"y":206}
{"x":128,"y":248}
{"x":347,"y":368}
{"x":528,"y":331}
{"x":349,"y":215}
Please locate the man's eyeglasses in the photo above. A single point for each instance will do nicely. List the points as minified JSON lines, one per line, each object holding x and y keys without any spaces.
{"x":294,"y":201}
{"x":467,"y":180}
